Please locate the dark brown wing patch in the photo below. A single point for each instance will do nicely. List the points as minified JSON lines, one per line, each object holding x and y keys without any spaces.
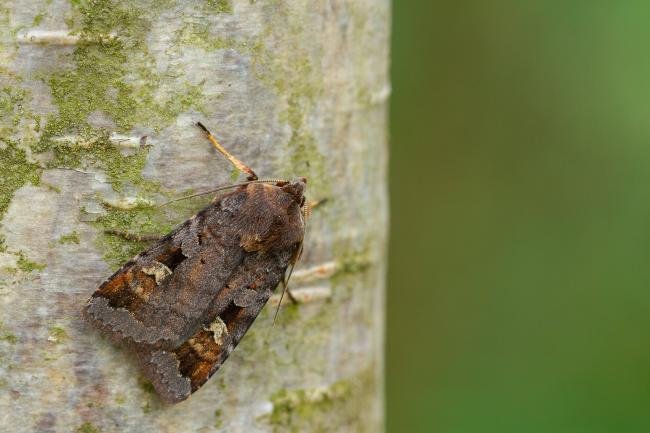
{"x":199,"y":355}
{"x":133,"y":286}
{"x":203,"y":353}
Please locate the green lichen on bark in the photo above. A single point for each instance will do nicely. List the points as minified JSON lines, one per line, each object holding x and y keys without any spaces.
{"x":218,"y":6}
{"x":353,"y":260}
{"x":198,"y":34}
{"x":13,"y":100}
{"x":147,"y":219}
{"x":87,"y":428}
{"x":108,"y":34}
{"x":343,"y":405}
{"x":120,"y":169}
{"x":6,"y":335}
{"x":111,"y":51}
{"x":23,"y":265}
{"x":16,"y":171}
{"x":70,"y":238}
{"x":57,"y":334}
{"x":218,"y":415}
{"x":16,"y":165}
{"x":151,"y":399}
{"x":26,"y":265}
{"x":38,"y":18}
{"x":9,"y":338}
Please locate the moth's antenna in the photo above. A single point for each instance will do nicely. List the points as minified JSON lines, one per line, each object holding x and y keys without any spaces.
{"x":237,"y":163}
{"x":277,"y":309}
{"x":221,"y":188}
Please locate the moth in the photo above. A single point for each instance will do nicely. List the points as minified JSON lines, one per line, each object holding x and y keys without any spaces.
{"x":183,"y":304}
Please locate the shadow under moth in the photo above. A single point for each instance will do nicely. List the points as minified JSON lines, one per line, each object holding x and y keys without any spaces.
{"x":183,"y":304}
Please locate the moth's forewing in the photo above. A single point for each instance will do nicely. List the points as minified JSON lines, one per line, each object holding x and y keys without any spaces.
{"x":157,"y":298}
{"x":185,"y":303}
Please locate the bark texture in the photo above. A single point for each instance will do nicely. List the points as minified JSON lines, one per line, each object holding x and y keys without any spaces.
{"x":97,"y":104}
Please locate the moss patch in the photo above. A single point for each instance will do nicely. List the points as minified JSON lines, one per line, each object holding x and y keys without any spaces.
{"x":26,"y":265}
{"x":120,"y":169}
{"x":87,"y":428}
{"x":145,"y":219}
{"x":9,"y":338}
{"x":199,"y":35}
{"x":152,"y":402}
{"x":16,"y":171}
{"x":112,"y":51}
{"x":352,"y":262}
{"x":113,"y":74}
{"x":38,"y":18}
{"x":344,"y":405}
{"x":15,"y":164}
{"x":12,"y":108}
{"x":57,"y":334}
{"x":218,"y":6}
{"x":6,"y":335}
{"x":218,"y":415}
{"x":70,"y":238}
{"x":147,"y":386}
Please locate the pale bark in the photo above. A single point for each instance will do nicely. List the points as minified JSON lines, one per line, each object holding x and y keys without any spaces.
{"x":293,"y":88}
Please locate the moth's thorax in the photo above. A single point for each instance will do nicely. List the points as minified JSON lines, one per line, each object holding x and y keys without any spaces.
{"x":271,"y":216}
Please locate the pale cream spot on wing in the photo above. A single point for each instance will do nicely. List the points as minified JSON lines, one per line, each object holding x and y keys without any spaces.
{"x":159,"y":271}
{"x":219,"y":330}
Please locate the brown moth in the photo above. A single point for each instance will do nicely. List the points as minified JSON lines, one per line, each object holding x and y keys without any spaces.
{"x":184,"y":303}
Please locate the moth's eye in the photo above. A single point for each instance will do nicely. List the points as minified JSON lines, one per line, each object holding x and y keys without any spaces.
{"x":302,"y":202}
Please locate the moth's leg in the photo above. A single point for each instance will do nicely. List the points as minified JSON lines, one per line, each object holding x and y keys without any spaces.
{"x":234,"y":161}
{"x":291,"y":297}
{"x":132,"y":236}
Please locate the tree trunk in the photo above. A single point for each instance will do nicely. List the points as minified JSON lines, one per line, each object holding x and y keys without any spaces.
{"x":98,"y":100}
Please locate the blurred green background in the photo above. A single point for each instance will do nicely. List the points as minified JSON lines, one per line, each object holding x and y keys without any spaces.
{"x":520,"y":182}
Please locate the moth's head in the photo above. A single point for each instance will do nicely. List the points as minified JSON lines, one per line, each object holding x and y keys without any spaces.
{"x":296,"y":188}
